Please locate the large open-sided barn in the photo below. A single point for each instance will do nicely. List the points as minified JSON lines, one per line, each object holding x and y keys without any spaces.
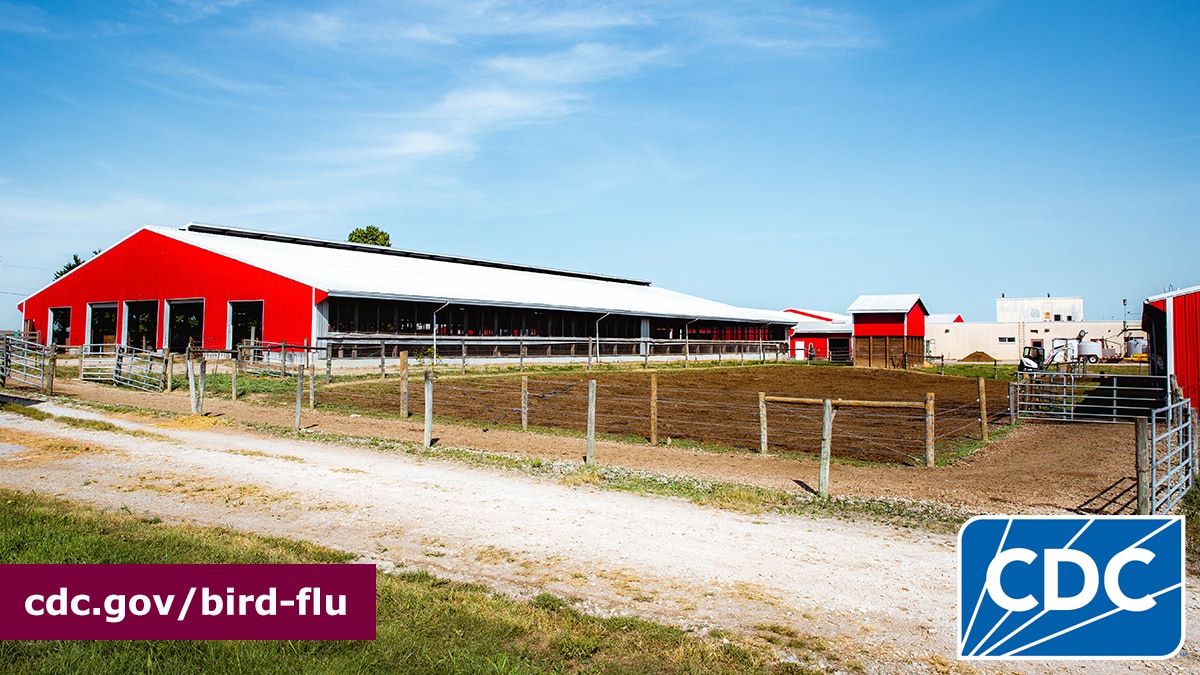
{"x":214,"y":287}
{"x":889,"y":330}
{"x":1172,"y":325}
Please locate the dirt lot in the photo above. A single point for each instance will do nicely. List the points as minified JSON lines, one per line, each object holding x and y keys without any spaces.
{"x":718,"y":406}
{"x":882,"y":598}
{"x":1034,"y":469}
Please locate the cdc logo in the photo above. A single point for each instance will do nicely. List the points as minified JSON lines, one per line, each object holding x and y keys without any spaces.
{"x":1049,"y":587}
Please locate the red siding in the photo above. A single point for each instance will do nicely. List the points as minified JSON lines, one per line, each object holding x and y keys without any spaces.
{"x":916,"y":322}
{"x":1185,"y":317}
{"x":150,"y":266}
{"x":881,"y":325}
{"x":820,"y":344}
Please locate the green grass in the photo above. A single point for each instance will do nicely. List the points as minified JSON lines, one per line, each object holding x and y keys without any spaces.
{"x":1189,"y":507}
{"x":1008,"y":371}
{"x":424,"y":624}
{"x":25,"y":411}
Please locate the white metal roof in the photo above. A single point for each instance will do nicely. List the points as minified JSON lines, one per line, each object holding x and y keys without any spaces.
{"x":885,"y":304}
{"x":1175,"y":293}
{"x":361,"y":272}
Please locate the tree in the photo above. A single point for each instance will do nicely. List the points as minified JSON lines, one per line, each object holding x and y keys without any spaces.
{"x":370,"y":235}
{"x":75,"y":261}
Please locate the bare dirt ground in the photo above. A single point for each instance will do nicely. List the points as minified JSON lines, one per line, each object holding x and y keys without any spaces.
{"x":717,"y":406}
{"x":1035,"y":469}
{"x":881,"y":596}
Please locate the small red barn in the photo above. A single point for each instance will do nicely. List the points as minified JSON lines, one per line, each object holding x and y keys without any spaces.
{"x":889,"y":330}
{"x":1172,"y":325}
{"x":820,"y":335}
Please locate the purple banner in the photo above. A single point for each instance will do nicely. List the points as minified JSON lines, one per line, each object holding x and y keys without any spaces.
{"x":187,"y":602}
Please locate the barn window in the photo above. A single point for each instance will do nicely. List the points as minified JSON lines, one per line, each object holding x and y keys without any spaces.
{"x":1008,"y":339}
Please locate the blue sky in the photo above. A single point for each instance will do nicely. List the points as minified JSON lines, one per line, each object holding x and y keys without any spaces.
{"x":767,"y":154}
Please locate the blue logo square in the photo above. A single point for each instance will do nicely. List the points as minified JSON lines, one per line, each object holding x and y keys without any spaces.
{"x":1071,"y":587}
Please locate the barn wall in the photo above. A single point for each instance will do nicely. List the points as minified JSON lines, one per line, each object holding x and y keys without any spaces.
{"x":147,"y":266}
{"x":915,"y":323}
{"x":1185,"y":348}
{"x":868,"y":325}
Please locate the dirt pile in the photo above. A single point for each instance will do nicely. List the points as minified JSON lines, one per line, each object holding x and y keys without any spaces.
{"x":977,"y":357}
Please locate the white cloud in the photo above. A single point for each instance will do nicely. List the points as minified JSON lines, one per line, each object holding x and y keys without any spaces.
{"x":585,"y":62}
{"x":22,"y":18}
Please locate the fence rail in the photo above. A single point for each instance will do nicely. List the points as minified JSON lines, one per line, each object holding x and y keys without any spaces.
{"x":1083,"y":397}
{"x":1169,"y":444}
{"x":450,"y":347}
{"x":26,"y":362}
{"x":120,"y":364}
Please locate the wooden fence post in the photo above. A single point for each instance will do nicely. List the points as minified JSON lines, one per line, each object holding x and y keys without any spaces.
{"x":983,"y":411}
{"x":930,"y":457}
{"x":81,"y":351}
{"x":51,"y":366}
{"x":200,"y":393}
{"x":328,"y":362}
{"x":382,"y":360}
{"x":524,"y":403}
{"x":762,"y":422}
{"x":1012,"y":402}
{"x":299,"y":393}
{"x":591,"y":424}
{"x":1141,"y":430}
{"x":190,"y":368}
{"x":1195,"y":424}
{"x":233,"y":387}
{"x":428,"y":408}
{"x":312,"y":387}
{"x":168,"y":367}
{"x":464,"y":355}
{"x":654,"y":409}
{"x":404,"y":384}
{"x":826,"y":447}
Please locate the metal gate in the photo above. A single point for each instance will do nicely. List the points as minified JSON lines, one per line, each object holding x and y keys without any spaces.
{"x":269,"y":358}
{"x":139,"y":368}
{"x":24,"y":362}
{"x":1171,"y":446}
{"x":124,"y":365}
{"x":1086,"y":397}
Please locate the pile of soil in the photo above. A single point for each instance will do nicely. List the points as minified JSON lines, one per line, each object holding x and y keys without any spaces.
{"x":977,"y":357}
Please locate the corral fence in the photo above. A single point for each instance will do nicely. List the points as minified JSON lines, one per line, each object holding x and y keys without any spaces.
{"x":448,"y":348}
{"x":1085,"y":397}
{"x":277,"y":359}
{"x":124,"y":365}
{"x":1166,"y":457}
{"x":27,"y":363}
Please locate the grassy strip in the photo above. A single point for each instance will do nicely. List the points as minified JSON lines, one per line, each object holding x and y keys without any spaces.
{"x":424,"y":624}
{"x":77,"y":422}
{"x":1189,"y":507}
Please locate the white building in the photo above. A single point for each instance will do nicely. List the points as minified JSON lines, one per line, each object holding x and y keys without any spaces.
{"x":1020,"y":323}
{"x":1034,"y":310}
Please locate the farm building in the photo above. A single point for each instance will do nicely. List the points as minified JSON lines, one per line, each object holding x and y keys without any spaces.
{"x":1020,"y":323}
{"x":820,"y":335}
{"x":889,"y":330}
{"x":213,"y":287}
{"x":1172,"y":325}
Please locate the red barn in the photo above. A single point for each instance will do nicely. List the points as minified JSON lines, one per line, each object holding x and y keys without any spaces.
{"x":889,"y":330}
{"x":213,"y":287}
{"x":1172,"y":325}
{"x":820,"y":335}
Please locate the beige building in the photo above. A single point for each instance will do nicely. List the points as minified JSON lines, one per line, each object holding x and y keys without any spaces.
{"x":1004,"y":341}
{"x":1020,"y":323}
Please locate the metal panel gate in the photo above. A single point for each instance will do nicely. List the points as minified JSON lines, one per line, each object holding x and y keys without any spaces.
{"x":124,"y":365}
{"x":25,"y":362}
{"x":1171,"y":446}
{"x":1082,"y":397}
